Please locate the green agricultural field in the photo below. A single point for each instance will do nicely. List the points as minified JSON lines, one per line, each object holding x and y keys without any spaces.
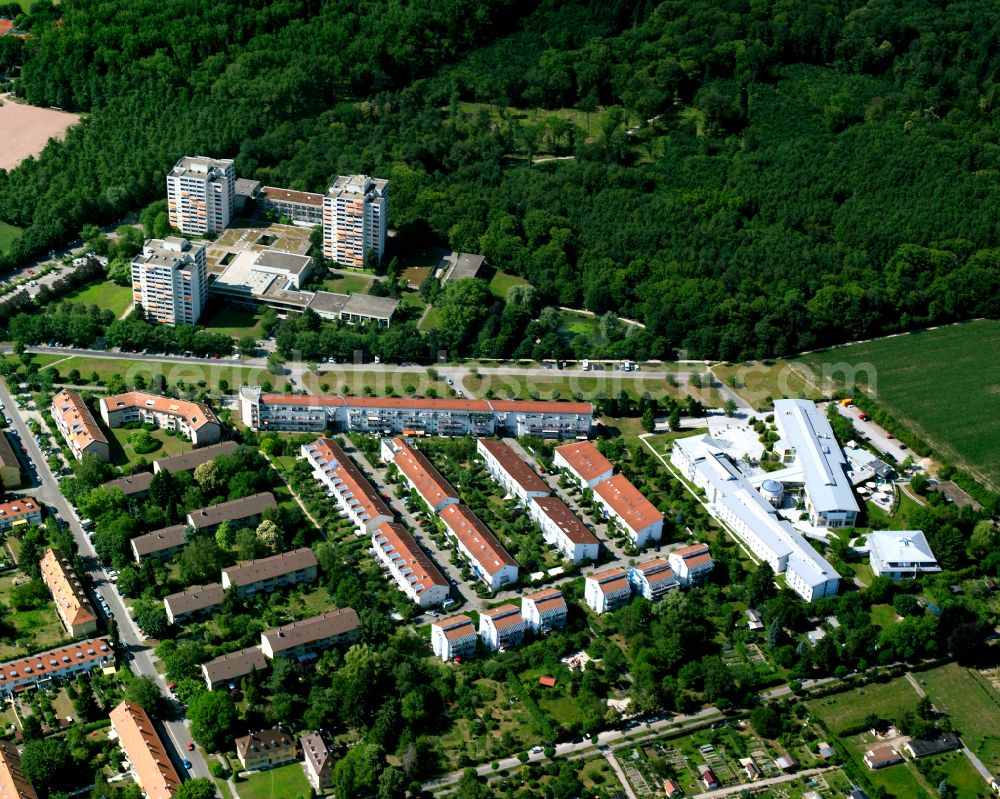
{"x":105,"y":295}
{"x":942,"y":384}
{"x":850,"y":709}
{"x":276,"y":783}
{"x":972,"y":704}
{"x":8,"y":235}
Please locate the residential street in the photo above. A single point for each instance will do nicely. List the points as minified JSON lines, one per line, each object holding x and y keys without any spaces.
{"x":48,"y":494}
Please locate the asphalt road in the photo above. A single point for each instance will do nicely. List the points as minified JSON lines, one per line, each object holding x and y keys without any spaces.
{"x":47,"y":493}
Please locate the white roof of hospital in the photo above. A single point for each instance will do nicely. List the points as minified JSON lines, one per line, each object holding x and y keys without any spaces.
{"x":816,"y":449}
{"x":900,"y":546}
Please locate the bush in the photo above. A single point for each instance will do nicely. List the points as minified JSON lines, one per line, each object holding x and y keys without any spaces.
{"x":143,"y":443}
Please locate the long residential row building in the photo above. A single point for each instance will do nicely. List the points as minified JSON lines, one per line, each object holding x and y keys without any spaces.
{"x":60,"y":663}
{"x":561,"y":528}
{"x":734,"y":501}
{"x":500,"y":628}
{"x":413,"y":417}
{"x":145,"y":751}
{"x":619,"y":500}
{"x":610,"y":589}
{"x":68,"y":594}
{"x":13,"y":783}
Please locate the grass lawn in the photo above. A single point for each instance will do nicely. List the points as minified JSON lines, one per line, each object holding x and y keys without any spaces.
{"x":356,"y":380}
{"x":211,"y":371}
{"x":850,"y":708}
{"x":430,"y":322}
{"x":106,"y":296}
{"x":591,"y":386}
{"x":27,"y":630}
{"x":755,"y":382}
{"x":878,"y":519}
{"x":284,"y":782}
{"x":123,"y":452}
{"x":563,"y":710}
{"x":347,"y":284}
{"x":884,"y":616}
{"x":8,"y":235}
{"x":961,"y":775}
{"x":973,"y":706}
{"x":662,"y":442}
{"x":922,"y":378}
{"x":501,"y":282}
{"x":232,"y":321}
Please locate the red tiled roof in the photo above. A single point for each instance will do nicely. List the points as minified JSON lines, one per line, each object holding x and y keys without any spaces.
{"x":504,"y":616}
{"x":585,"y":459}
{"x":145,"y":751}
{"x":422,"y":571}
{"x":549,"y":599}
{"x":196,"y":414}
{"x":291,"y":196}
{"x":628,"y":502}
{"x":456,"y":627}
{"x":327,"y":455}
{"x":610,"y":581}
{"x":476,"y":538}
{"x":431,"y":486}
{"x":567,"y":521}
{"x":13,"y":783}
{"x":18,"y":508}
{"x":511,"y":463}
{"x":548,"y":682}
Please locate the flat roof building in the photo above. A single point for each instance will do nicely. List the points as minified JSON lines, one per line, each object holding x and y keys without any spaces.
{"x":234,"y":666}
{"x":246,"y":511}
{"x":411,"y":567}
{"x":150,"y":761}
{"x":303,"y":639}
{"x":393,"y":416}
{"x":195,"y":420}
{"x":344,"y":482}
{"x":490,"y":562}
{"x":201,"y":194}
{"x":513,"y":474}
{"x":454,"y":638}
{"x":901,"y":554}
{"x":305,"y":207}
{"x":623,"y":502}
{"x":187,"y":461}
{"x":68,"y":594}
{"x":196,"y":601}
{"x":584,"y":462}
{"x":170,"y":281}
{"x":752,"y":519}
{"x":419,"y":473}
{"x":267,"y":574}
{"x":78,"y":427}
{"x":355,"y":219}
{"x":807,"y":438}
{"x":563,"y":530}
{"x":607,"y":590}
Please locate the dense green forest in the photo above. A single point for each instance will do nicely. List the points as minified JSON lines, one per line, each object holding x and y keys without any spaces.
{"x":746,"y":177}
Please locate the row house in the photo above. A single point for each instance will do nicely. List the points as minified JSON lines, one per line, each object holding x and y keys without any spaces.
{"x":160,"y":544}
{"x":147,"y":755}
{"x":196,"y":602}
{"x":513,"y":474}
{"x":419,"y":473}
{"x":411,"y":567}
{"x":584,"y":463}
{"x":623,"y":502}
{"x":232,"y":667}
{"x":303,"y":639}
{"x":563,"y":530}
{"x":188,"y":461}
{"x":133,"y":486}
{"x":22,"y":512}
{"x":691,"y":564}
{"x":68,"y":594}
{"x":245,"y":512}
{"x":490,"y":562}
{"x":267,"y":574}
{"x":13,"y":783}
{"x":60,"y":663}
{"x":344,"y":481}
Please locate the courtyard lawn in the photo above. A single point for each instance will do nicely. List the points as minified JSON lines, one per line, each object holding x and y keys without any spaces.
{"x":8,"y":235}
{"x":848,"y":710}
{"x":232,"y":321}
{"x":27,"y":630}
{"x":972,"y":704}
{"x":105,"y":295}
{"x":122,"y":452}
{"x":347,"y":284}
{"x":284,"y":782}
{"x":923,"y":378}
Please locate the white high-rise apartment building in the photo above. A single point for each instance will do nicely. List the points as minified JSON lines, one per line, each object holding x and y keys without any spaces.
{"x":355,"y":213}
{"x":169,"y":278}
{"x":201,"y":194}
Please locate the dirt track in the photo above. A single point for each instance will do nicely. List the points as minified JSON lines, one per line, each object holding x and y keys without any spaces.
{"x":25,"y":129}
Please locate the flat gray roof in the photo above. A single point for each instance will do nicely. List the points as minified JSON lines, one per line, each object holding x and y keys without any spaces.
{"x":286,"y":261}
{"x":367,"y":305}
{"x":328,"y":302}
{"x":247,"y":187}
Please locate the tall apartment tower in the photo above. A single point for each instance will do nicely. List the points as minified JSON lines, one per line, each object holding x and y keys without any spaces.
{"x":201,"y":194}
{"x":169,"y":278}
{"x":355,"y":212}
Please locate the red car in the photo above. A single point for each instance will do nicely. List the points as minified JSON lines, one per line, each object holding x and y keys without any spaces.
{"x":889,"y":435}
{"x":190,"y":746}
